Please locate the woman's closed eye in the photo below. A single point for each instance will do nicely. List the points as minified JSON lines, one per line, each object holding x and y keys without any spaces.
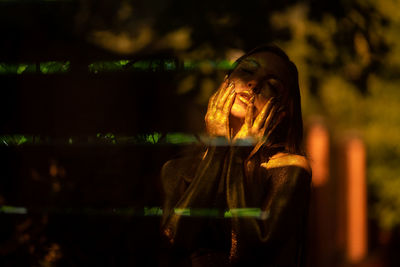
{"x":273,"y":87}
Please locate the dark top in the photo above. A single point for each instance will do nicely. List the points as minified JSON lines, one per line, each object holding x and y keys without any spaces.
{"x":223,"y":180}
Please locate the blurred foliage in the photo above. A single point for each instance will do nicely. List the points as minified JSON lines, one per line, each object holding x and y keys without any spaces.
{"x":347,"y":53}
{"x":145,"y":211}
{"x":16,"y":68}
{"x":53,"y":67}
{"x":12,"y":140}
{"x":49,"y":67}
{"x":108,"y":66}
{"x":12,"y":210}
{"x":101,"y":138}
{"x":348,"y":66}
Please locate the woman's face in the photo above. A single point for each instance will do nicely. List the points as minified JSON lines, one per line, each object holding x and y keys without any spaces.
{"x":262,"y":75}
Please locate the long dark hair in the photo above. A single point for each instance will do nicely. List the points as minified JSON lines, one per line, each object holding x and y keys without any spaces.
{"x":289,"y":131}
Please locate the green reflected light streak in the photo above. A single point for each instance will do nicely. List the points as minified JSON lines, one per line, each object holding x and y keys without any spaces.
{"x":122,"y":65}
{"x":154,"y":138}
{"x":146,"y":211}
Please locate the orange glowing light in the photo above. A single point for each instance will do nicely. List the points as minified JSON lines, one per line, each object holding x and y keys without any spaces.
{"x":357,"y":201}
{"x":318,"y":150}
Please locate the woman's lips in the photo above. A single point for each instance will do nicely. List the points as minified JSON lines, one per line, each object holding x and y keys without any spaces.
{"x":244,"y":97}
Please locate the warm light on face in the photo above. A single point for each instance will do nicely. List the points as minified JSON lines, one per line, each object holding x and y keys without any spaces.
{"x":261,"y":75}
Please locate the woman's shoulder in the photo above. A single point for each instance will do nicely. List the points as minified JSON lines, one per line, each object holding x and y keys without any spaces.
{"x":285,"y":160}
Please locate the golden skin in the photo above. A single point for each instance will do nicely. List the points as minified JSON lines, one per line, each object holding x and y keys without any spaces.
{"x":245,"y":103}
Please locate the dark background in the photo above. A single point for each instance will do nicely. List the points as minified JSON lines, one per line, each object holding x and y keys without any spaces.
{"x":81,"y":178}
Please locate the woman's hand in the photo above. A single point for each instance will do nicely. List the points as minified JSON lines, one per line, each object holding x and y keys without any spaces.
{"x":219,"y":108}
{"x":256,"y":128}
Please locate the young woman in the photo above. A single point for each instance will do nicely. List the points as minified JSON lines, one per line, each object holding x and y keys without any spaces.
{"x":262,"y":167}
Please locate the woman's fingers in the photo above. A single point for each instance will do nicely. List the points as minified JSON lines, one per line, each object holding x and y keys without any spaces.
{"x":248,"y":119}
{"x":260,"y":121}
{"x":270,"y":117}
{"x":228,"y":104}
{"x":223,"y":96}
{"x":211,"y":102}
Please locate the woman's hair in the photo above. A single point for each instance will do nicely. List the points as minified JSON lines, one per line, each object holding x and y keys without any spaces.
{"x":289,"y":130}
